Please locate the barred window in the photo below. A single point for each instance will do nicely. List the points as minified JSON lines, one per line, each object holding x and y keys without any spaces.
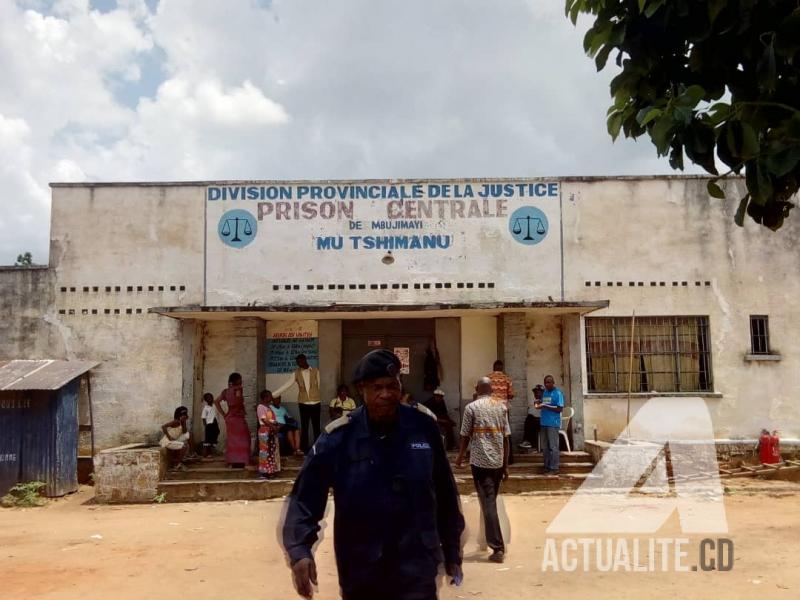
{"x":670,"y":354}
{"x":759,"y":334}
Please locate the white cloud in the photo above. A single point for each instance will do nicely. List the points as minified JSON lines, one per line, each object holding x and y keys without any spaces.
{"x":208,"y":103}
{"x":295,"y":89}
{"x":24,"y":224}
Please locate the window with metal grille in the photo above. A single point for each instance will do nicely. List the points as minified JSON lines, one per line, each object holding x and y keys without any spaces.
{"x":665,"y":354}
{"x":759,"y":334}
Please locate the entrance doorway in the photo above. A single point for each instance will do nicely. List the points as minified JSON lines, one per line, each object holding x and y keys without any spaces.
{"x":359,"y":336}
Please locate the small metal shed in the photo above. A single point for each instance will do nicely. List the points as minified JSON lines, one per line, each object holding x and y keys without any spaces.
{"x":39,"y":423}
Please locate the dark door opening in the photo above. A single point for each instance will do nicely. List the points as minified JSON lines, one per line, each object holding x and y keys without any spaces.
{"x":359,"y":336}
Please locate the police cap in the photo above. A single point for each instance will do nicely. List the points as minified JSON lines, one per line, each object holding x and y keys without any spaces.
{"x":375,"y":364}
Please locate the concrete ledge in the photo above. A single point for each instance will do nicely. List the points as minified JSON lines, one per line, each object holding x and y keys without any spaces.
{"x":648,"y":395}
{"x":762,"y":357}
{"x":727,"y":449}
{"x":250,"y":489}
{"x":128,"y":474}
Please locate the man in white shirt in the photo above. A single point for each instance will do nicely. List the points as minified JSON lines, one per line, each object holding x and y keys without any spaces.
{"x":306,"y":378}
{"x":210,"y":425}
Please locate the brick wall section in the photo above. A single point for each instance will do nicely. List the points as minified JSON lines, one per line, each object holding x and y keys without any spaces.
{"x":513,"y":348}
{"x":128,"y":474}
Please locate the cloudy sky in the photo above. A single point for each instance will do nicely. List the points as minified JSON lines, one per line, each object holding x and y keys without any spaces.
{"x":125,"y":90}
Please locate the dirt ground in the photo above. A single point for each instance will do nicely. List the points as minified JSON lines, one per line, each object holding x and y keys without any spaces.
{"x":74,"y":549}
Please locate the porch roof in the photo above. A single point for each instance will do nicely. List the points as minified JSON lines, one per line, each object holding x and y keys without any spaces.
{"x":375,"y":311}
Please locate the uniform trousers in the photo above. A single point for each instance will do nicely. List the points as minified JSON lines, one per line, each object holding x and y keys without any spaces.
{"x":385,"y":582}
{"x":384,"y":592}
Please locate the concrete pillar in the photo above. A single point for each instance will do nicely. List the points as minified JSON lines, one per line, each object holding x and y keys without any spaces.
{"x":245,"y":360}
{"x":330,"y":362}
{"x":512,"y":343}
{"x":479,"y":336}
{"x":261,"y":355}
{"x":573,"y":344}
{"x":448,"y":342}
{"x":192,"y":338}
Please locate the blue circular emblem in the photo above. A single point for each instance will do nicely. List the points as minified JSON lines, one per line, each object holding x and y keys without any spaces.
{"x":237,"y":228}
{"x":528,"y":225}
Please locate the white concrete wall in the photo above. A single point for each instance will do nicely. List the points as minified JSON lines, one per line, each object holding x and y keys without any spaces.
{"x":126,"y":238}
{"x":544,"y":333}
{"x":231,"y":346}
{"x":27,"y":328}
{"x":330,"y":363}
{"x":616,"y":231}
{"x":448,"y":342}
{"x":669,"y":230}
{"x":478,"y":351}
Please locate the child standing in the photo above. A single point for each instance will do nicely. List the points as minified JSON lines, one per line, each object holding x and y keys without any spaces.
{"x":209,"y":417}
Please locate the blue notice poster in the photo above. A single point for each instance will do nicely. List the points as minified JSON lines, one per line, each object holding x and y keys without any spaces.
{"x":287,"y":339}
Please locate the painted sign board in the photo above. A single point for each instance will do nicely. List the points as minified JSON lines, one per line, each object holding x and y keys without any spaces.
{"x":391,"y":241}
{"x":287,"y":339}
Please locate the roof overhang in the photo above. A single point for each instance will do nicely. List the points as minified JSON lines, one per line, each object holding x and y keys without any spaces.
{"x":17,"y":375}
{"x":373,"y":311}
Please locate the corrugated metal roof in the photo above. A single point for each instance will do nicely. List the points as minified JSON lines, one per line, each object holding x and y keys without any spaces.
{"x":40,"y":374}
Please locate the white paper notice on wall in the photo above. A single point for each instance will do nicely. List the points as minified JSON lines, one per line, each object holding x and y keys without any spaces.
{"x":404,"y":354}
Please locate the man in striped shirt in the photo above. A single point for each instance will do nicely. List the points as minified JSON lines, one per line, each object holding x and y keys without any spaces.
{"x":485,"y":430}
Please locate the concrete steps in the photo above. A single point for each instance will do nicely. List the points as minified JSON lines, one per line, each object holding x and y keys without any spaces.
{"x":213,"y":481}
{"x":192,"y":490}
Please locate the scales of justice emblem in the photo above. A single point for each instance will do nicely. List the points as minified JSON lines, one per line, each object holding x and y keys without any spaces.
{"x":237,"y":228}
{"x":528,"y":225}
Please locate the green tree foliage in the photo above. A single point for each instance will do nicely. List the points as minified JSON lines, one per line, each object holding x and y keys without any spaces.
{"x":707,"y":80}
{"x":24,"y":260}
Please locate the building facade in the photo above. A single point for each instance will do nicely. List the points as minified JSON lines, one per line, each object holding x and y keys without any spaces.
{"x":172,"y":286}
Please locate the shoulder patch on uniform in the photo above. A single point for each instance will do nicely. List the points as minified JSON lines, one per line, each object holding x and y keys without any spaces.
{"x":335,"y":424}
{"x":426,"y":411}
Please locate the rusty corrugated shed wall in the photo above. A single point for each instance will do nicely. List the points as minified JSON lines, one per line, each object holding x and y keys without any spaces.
{"x":11,"y":430}
{"x":40,"y":428}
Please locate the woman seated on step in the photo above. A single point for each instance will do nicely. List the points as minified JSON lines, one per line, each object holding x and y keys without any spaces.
{"x":176,"y":438}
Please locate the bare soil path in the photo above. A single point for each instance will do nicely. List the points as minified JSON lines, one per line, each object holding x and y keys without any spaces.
{"x":75,"y":550}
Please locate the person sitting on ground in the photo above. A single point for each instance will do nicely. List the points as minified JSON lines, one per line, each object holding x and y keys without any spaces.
{"x":342,"y":404}
{"x":176,"y":438}
{"x":437,"y":406}
{"x":288,"y":430}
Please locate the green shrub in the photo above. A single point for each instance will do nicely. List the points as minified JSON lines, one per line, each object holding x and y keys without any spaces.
{"x":24,"y":495}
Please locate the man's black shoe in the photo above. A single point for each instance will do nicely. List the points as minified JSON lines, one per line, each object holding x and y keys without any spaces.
{"x":497,"y":556}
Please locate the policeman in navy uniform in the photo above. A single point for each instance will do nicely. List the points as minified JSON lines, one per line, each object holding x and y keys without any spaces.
{"x":397,"y":511}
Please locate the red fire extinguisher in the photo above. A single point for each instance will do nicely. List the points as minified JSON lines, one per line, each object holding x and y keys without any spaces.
{"x":769,"y":448}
